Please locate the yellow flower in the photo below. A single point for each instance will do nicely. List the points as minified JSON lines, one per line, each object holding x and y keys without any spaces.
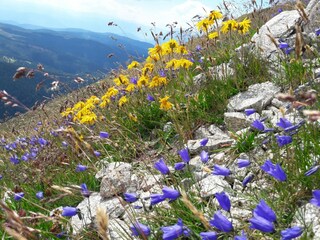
{"x":133,"y":64}
{"x":156,"y":50}
{"x":104,"y":103}
{"x":185,"y":63}
{"x":244,"y":26}
{"x":122,"y":79}
{"x":169,"y":47}
{"x":130,"y":87}
{"x":89,"y":119}
{"x":93,"y":100}
{"x":165,"y":104}
{"x":157,"y":81}
{"x":215,"y":15}
{"x":213,"y":35}
{"x":123,"y":100}
{"x":229,"y":25}
{"x":172,"y":63}
{"x":181,"y":50}
{"x":78,"y":105}
{"x":133,"y":117}
{"x":148,"y":68}
{"x":111,"y":92}
{"x":143,"y":81}
{"x":152,"y":58}
{"x":204,"y":25}
{"x":67,"y":112}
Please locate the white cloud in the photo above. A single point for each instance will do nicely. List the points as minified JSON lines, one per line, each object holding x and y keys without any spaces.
{"x":140,"y":12}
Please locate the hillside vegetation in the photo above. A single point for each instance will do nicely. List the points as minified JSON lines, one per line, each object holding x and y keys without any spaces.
{"x":132,"y":156}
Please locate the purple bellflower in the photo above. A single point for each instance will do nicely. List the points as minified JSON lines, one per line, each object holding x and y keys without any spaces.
{"x":263,"y":210}
{"x":274,"y":170}
{"x":39,"y":195}
{"x":312,"y":170}
{"x":162,"y":167}
{"x":179,"y":166}
{"x":291,"y":233}
{"x":249,"y":111}
{"x":224,"y":201}
{"x":18,"y":196}
{"x":139,"y":229}
{"x":204,"y":142}
{"x":130,"y":197}
{"x":184,"y":154}
{"x":261,"y":224}
{"x":284,"y":140}
{"x":69,"y":211}
{"x":243,"y":163}
{"x":104,"y":135}
{"x":175,"y":231}
{"x":81,"y":168}
{"x":220,"y":170}
{"x":220,"y":222}
{"x":316,"y":198}
{"x":170,"y":193}
{"x":204,"y":156}
{"x":156,"y":198}
{"x":208,"y":235}
{"x":247,"y":180}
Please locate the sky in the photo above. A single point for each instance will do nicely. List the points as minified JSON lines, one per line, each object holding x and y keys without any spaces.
{"x":95,"y":14}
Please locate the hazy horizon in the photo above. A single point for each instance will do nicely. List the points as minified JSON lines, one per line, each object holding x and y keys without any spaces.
{"x":95,"y":15}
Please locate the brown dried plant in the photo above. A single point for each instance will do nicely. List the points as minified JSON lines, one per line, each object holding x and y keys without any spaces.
{"x":102,"y":221}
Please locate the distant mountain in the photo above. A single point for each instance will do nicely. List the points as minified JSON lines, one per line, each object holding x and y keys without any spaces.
{"x":65,"y":53}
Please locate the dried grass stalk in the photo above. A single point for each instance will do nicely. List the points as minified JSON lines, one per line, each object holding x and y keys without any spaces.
{"x":194,"y":210}
{"x":299,"y":41}
{"x":102,"y":220}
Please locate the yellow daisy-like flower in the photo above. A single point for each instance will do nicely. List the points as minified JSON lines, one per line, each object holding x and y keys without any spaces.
{"x":185,"y":63}
{"x":130,"y":87}
{"x":133,"y":64}
{"x":157,"y":82}
{"x":244,"y":26}
{"x":165,"y":104}
{"x":229,"y":25}
{"x":156,"y":50}
{"x":148,"y":68}
{"x":123,"y":100}
{"x":172,"y":63}
{"x":121,"y":80}
{"x":111,"y":92}
{"x":133,"y":117}
{"x":204,"y":24}
{"x":78,"y":105}
{"x":93,"y":100}
{"x":143,"y":81}
{"x":213,"y":35}
{"x":170,"y":46}
{"x":89,"y":119}
{"x":152,"y":58}
{"x":215,"y":15}
{"x":181,"y":50}
{"x":104,"y":103}
{"x":67,"y":112}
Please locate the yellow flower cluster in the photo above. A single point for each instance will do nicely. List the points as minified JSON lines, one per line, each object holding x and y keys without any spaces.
{"x":227,"y":26}
{"x":83,"y":111}
{"x":206,"y":23}
{"x":144,"y":77}
{"x":165,"y":104}
{"x":169,"y":47}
